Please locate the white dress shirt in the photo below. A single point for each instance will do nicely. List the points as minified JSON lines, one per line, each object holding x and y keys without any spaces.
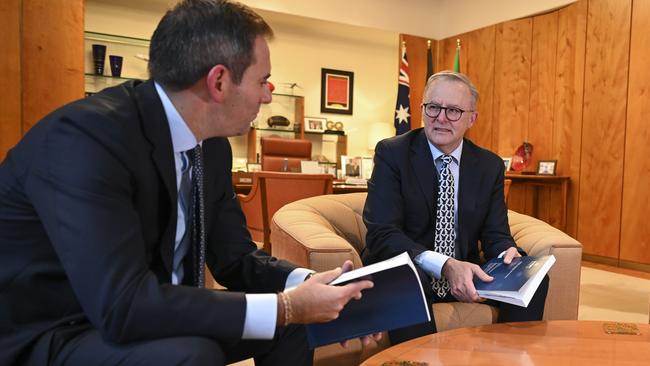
{"x":261,"y":309}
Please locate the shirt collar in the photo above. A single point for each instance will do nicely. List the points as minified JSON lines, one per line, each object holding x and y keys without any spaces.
{"x":182,"y":137}
{"x":456,"y":154}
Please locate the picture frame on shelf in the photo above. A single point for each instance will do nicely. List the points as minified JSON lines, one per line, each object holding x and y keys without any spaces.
{"x":350,"y":167}
{"x":315,"y":124}
{"x":367,"y":165}
{"x":546,"y":167}
{"x":507,"y":162}
{"x":337,"y":89}
{"x":327,"y":168}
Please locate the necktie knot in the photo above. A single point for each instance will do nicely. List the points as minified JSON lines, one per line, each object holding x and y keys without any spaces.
{"x":446,"y":160}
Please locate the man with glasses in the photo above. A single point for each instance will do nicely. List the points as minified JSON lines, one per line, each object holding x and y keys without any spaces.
{"x":435,"y":195}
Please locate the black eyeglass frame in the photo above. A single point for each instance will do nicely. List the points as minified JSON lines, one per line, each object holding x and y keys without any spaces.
{"x":446,"y":109}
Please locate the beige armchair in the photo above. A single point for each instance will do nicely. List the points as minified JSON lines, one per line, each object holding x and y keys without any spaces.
{"x":322,"y":232}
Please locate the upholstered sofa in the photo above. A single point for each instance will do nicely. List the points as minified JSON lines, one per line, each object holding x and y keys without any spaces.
{"x":322,"y":232}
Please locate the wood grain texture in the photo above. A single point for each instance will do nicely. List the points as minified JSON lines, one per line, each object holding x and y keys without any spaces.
{"x":478,"y":56}
{"x":541,"y":110}
{"x":603,"y":133}
{"x":512,"y":84}
{"x":569,"y":88}
{"x":52,"y":56}
{"x":416,"y":51}
{"x":10,"y":111}
{"x":635,"y":231}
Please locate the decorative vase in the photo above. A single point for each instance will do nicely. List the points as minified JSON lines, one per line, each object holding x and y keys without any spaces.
{"x":99,"y":54}
{"x":116,"y":65}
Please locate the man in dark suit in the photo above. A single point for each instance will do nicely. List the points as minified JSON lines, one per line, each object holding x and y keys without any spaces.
{"x":435,"y":195}
{"x":92,"y":223}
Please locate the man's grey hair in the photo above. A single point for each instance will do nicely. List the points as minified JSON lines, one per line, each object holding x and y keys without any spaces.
{"x":454,"y":76}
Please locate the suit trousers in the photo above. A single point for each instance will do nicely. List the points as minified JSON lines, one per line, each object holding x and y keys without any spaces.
{"x":507,"y":313}
{"x":83,"y":345}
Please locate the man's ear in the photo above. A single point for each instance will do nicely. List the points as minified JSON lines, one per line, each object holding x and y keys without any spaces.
{"x":473,"y":118}
{"x":218,"y":82}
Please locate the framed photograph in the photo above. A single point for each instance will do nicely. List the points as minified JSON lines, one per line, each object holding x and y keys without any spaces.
{"x":315,"y":124}
{"x":546,"y":167}
{"x":366,"y":167}
{"x":350,"y":166}
{"x":507,"y":162}
{"x":253,"y":167}
{"x":336,"y":91}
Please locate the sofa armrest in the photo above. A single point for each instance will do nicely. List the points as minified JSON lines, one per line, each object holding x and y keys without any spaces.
{"x":539,"y":238}
{"x":304,"y":237}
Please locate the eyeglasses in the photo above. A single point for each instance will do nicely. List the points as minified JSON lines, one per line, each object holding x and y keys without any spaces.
{"x":452,"y":113}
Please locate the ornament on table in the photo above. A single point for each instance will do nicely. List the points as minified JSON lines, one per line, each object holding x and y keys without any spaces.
{"x":522,"y":156}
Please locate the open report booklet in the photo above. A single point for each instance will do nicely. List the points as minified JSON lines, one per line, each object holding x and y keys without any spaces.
{"x":396,"y":300}
{"x":514,"y":283}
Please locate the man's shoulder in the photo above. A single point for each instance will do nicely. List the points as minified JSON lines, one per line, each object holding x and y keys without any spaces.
{"x":481,"y":153}
{"x":404,"y":140}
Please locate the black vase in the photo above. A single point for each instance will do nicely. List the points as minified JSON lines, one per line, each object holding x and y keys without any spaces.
{"x":116,"y":65}
{"x":99,"y":54}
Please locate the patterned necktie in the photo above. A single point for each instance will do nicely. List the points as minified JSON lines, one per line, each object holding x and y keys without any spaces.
{"x":184,"y":199}
{"x":198,"y":227}
{"x":445,"y":230}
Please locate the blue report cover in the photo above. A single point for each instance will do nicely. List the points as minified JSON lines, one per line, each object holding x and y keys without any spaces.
{"x":396,"y":300}
{"x":514,"y":283}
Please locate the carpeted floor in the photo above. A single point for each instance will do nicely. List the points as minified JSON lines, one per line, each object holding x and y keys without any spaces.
{"x":606,"y":295}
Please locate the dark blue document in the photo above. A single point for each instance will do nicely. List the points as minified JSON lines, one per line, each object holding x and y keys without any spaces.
{"x":396,"y":300}
{"x":514,"y":283}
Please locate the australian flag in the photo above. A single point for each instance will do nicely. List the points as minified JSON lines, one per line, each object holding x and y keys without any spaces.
{"x":403,"y":107}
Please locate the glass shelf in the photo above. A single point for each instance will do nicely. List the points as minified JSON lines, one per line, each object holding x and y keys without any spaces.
{"x":135,"y":52}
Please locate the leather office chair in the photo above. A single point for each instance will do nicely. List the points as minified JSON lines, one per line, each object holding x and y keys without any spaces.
{"x":271,"y":191}
{"x":506,"y":188}
{"x":275,"y":150}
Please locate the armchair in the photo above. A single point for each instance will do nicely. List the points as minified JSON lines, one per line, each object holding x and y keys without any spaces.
{"x":272,"y":190}
{"x":275,"y":150}
{"x":322,"y":232}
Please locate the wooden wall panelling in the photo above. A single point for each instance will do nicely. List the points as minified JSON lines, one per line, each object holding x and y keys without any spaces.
{"x":635,"y":231}
{"x":10,"y":113}
{"x":540,"y":113}
{"x":52,"y":56}
{"x":603,"y":133}
{"x":416,"y":52}
{"x":569,"y":87}
{"x":511,"y":96}
{"x":478,"y":53}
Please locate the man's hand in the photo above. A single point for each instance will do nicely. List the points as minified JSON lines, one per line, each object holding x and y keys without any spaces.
{"x":460,"y":276}
{"x":314,"y":301}
{"x":510,"y":253}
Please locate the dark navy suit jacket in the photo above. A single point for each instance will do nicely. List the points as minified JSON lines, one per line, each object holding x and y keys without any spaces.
{"x":400,"y":210}
{"x":87,"y":226}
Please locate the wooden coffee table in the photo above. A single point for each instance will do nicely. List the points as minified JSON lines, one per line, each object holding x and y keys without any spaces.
{"x":558,"y":342}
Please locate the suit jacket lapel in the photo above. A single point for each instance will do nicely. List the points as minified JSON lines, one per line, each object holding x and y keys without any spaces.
{"x":422,"y":162}
{"x":156,"y":129}
{"x":470,"y":179}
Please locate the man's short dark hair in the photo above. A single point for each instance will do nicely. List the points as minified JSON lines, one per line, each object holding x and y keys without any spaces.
{"x":196,"y":35}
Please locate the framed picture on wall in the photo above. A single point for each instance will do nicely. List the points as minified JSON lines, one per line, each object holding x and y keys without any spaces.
{"x":507,"y":162}
{"x":336,"y":91}
{"x":315,"y":124}
{"x":546,"y":167}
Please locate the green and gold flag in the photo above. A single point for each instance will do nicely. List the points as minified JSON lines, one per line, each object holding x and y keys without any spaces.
{"x":457,"y":58}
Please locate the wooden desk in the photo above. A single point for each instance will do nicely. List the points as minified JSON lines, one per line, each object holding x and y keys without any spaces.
{"x":536,"y":181}
{"x":557,"y":342}
{"x":242,"y":182}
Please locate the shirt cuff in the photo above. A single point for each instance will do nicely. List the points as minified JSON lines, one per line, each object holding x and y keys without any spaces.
{"x":431,"y":262}
{"x":261,"y":316}
{"x":296,"y":277}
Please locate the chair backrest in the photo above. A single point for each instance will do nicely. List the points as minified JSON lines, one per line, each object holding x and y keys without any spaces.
{"x":271,"y":191}
{"x":275,"y":150}
{"x":506,"y":188}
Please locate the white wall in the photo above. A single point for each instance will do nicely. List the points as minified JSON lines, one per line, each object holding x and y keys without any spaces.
{"x":300,"y":48}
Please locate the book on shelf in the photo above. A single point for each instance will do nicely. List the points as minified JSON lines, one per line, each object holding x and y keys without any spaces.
{"x":514,"y":283}
{"x":396,"y":300}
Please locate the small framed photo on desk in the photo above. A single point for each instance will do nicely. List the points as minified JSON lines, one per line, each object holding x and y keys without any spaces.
{"x":546,"y":167}
{"x":507,"y":161}
{"x":315,"y":124}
